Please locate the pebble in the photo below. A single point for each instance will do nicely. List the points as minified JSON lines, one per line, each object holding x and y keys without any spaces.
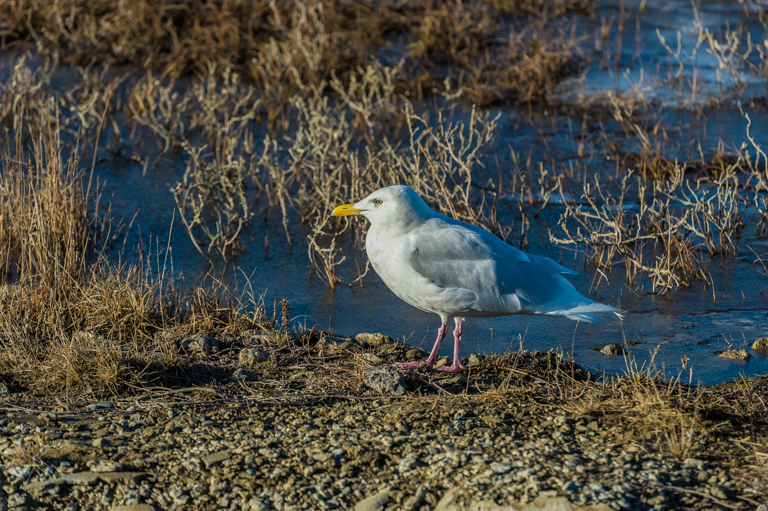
{"x":199,"y":344}
{"x":372,"y":359}
{"x":250,"y":357}
{"x":374,"y":339}
{"x":736,"y":355}
{"x":415,"y":355}
{"x":385,"y":380}
{"x":336,"y":343}
{"x":612,"y":350}
{"x":760,"y":344}
{"x":374,"y":502}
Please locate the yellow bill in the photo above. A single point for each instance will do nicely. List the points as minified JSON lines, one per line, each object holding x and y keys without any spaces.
{"x":346,"y":209}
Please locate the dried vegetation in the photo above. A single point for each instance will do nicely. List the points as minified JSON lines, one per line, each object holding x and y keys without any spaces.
{"x":291,"y":108}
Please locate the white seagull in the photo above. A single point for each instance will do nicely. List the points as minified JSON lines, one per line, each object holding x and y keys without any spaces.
{"x":458,"y":270}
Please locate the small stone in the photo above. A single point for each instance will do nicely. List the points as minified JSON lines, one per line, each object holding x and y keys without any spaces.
{"x":101,"y":443}
{"x":336,"y":343}
{"x":472,"y":360}
{"x":256,"y":505}
{"x":249,"y":357}
{"x":374,"y":339}
{"x":163,"y":336}
{"x":104,"y":466}
{"x":385,"y":380}
{"x":199,"y":343}
{"x":37,"y":488}
{"x":124,"y":477}
{"x":17,"y":500}
{"x":372,"y":359}
{"x":694,"y":463}
{"x":21,"y":472}
{"x":612,"y":350}
{"x":443,"y":361}
{"x":736,"y":355}
{"x":215,"y":459}
{"x":89,"y":478}
{"x":415,"y":355}
{"x":134,"y":507}
{"x":760,"y":344}
{"x":101,"y":405}
{"x":374,"y":502}
{"x":256,"y":336}
{"x":244,"y":375}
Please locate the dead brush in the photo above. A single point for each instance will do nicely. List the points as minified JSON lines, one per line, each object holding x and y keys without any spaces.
{"x":660,"y":413}
{"x":319,"y":166}
{"x":163,"y":110}
{"x":454,"y":31}
{"x":44,"y":200}
{"x":211,"y":198}
{"x":26,"y":453}
{"x":535,"y":59}
{"x":661,"y":233}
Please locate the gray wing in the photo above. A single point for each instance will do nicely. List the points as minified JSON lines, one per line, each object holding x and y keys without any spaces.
{"x":458,"y":255}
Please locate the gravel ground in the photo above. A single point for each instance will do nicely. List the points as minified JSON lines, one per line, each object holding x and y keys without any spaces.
{"x":413,"y":454}
{"x":394,"y":440}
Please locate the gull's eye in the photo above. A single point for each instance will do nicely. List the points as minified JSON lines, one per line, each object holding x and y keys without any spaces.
{"x":377,"y":202}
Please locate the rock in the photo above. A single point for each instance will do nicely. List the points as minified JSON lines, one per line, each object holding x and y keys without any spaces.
{"x":694,"y":463}
{"x":17,"y":500}
{"x":88,"y":478}
{"x":163,"y":337}
{"x":374,"y":339}
{"x":335,"y":343}
{"x":37,"y":488}
{"x":244,"y":375}
{"x":448,"y":501}
{"x":372,"y":359}
{"x":101,"y":443}
{"x":4,"y":389}
{"x":374,"y":502}
{"x":21,"y":472}
{"x":69,"y":450}
{"x":134,"y":507}
{"x":612,"y":349}
{"x":415,"y":355}
{"x":443,"y":361}
{"x":101,"y":405}
{"x":472,"y":360}
{"x":104,"y":466}
{"x":736,"y":355}
{"x":385,"y":380}
{"x":199,"y":343}
{"x":214,"y":459}
{"x":548,"y":503}
{"x":124,"y":477}
{"x":249,"y":357}
{"x":256,"y":336}
{"x":760,"y":344}
{"x":256,"y":505}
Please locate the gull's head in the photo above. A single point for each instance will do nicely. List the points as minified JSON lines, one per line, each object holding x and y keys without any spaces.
{"x":396,"y":206}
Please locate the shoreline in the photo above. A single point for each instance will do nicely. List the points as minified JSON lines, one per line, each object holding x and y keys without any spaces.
{"x":509,"y":430}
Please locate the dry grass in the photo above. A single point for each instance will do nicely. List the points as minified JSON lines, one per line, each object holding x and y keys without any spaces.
{"x":284,"y":46}
{"x":71,"y":320}
{"x":340,"y":124}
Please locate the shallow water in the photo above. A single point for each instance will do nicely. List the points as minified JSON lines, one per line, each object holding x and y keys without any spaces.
{"x":693,"y":323}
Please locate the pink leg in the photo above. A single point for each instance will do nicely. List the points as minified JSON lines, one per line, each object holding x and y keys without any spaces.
{"x":456,"y":366}
{"x":441,"y":333}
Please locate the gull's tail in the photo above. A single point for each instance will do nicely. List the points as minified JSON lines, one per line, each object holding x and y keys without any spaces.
{"x":588,"y":313}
